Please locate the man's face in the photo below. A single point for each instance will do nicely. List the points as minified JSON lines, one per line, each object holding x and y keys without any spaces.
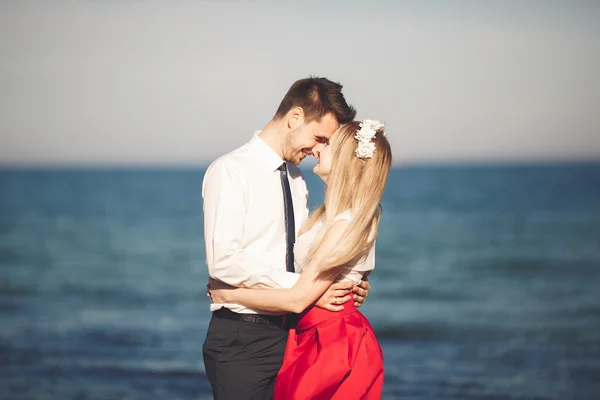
{"x":309,"y":138}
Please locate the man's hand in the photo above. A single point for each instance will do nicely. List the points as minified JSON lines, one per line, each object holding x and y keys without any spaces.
{"x":361,"y":291}
{"x":337,"y":294}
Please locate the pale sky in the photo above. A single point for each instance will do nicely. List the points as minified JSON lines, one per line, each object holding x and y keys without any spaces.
{"x":181,"y":82}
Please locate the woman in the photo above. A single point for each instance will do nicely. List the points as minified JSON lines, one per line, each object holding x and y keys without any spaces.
{"x":332,"y":355}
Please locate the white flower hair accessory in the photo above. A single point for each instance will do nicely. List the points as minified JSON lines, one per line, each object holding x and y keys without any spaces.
{"x":368,"y":129}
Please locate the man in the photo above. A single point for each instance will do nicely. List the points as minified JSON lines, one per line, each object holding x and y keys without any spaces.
{"x":255,"y":200}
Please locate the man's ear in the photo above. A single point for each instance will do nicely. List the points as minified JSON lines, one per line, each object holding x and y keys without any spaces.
{"x":295,"y":118}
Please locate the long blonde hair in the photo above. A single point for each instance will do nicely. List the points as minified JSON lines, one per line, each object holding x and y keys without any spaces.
{"x":354,"y":184}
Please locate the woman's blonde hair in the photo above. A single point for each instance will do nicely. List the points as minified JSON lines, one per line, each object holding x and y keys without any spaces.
{"x":356,"y":185}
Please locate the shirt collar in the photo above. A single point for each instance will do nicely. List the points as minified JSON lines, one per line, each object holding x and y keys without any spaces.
{"x":268,"y":157}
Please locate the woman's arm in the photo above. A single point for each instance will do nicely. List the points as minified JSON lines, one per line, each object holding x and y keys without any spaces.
{"x":310,"y":286}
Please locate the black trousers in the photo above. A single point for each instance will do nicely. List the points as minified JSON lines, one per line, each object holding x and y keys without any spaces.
{"x":242,"y":358}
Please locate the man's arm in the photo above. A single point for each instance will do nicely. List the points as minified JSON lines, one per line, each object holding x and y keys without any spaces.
{"x":311,"y":285}
{"x":224,"y":203}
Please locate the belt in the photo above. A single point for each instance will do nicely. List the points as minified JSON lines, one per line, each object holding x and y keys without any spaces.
{"x":261,"y":319}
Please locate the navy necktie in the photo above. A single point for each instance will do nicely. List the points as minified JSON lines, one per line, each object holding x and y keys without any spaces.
{"x":290,"y":229}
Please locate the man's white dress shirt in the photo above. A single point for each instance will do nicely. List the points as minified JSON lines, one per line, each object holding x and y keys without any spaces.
{"x":244,"y":220}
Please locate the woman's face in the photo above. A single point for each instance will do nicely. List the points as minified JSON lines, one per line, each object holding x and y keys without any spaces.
{"x":323,"y":167}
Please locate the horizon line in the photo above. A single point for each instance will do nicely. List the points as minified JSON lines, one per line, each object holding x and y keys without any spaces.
{"x":306,"y":166}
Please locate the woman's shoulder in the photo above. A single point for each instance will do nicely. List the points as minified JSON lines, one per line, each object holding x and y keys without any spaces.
{"x":344,"y":216}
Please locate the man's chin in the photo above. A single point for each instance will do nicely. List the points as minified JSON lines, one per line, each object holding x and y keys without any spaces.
{"x":298,"y":160}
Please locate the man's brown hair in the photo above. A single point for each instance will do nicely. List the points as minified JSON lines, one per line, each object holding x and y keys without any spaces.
{"x":317,"y":97}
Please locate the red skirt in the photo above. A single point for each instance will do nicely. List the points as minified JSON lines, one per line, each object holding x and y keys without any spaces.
{"x":331,"y":355}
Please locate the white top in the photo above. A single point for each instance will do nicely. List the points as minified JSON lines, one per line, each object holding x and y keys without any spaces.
{"x":351,"y":272}
{"x":244,"y":220}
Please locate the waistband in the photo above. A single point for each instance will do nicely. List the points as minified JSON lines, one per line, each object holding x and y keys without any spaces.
{"x":261,"y":319}
{"x":315,"y":315}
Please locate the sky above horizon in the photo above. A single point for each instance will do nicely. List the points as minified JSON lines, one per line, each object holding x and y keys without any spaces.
{"x":136,"y":82}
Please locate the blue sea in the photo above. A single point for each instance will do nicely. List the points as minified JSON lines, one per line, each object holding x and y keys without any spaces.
{"x":486,"y":286}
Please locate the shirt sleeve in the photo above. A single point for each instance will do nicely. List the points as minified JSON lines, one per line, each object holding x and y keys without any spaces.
{"x":224,"y":203}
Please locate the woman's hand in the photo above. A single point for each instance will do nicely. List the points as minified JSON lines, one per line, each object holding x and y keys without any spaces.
{"x":218,"y":291}
{"x":219,"y":295}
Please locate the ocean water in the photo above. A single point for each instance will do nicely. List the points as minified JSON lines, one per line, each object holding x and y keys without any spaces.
{"x":487,"y":283}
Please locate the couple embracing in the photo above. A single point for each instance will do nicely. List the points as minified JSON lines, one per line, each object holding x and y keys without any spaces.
{"x":285,"y":285}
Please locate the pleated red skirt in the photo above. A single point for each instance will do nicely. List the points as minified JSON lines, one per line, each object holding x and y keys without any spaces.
{"x":331,"y":355}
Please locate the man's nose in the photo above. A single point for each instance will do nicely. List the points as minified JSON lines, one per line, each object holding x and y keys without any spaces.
{"x":317,"y":150}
